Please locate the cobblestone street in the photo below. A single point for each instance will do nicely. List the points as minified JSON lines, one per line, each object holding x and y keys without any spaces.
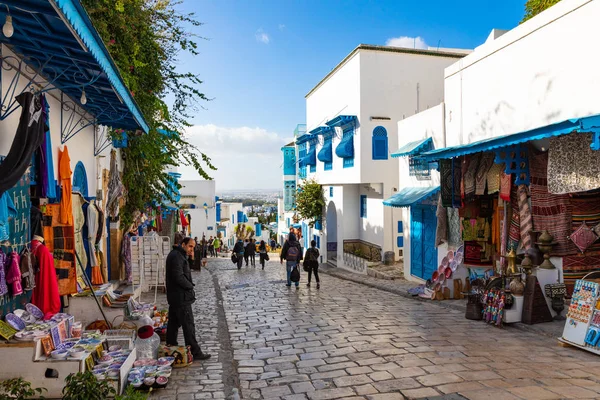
{"x":348,"y":340}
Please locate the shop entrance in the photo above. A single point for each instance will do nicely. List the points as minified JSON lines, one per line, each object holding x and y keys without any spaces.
{"x":423,"y":254}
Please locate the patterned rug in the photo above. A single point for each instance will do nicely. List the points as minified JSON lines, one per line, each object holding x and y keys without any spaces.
{"x":586,"y":208}
{"x":60,"y":240}
{"x":576,"y":267}
{"x":551,"y":212}
{"x":514,"y":230}
{"x":446,"y":182}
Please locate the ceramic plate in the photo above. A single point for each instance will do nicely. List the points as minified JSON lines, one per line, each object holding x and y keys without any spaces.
{"x":450,"y":255}
{"x":15,"y":321}
{"x":460,"y":250}
{"x":34,"y":310}
{"x":448,"y":272}
{"x":453,"y":265}
{"x":434,"y":276}
{"x":445,"y":261}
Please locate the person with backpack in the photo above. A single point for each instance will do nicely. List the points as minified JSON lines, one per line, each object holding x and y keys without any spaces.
{"x":311,"y":263}
{"x":251,"y":252}
{"x":262,"y":253}
{"x":238,"y":250}
{"x":292,"y":254}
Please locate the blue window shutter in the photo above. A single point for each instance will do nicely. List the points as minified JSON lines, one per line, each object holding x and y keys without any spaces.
{"x":400,"y":242}
{"x":363,"y":206}
{"x":400,"y":227}
{"x":380,"y":144}
{"x":288,"y":222}
{"x":218,"y":211}
{"x":240,"y":216}
{"x":232,"y":218}
{"x":330,"y":191}
{"x":318,"y":242}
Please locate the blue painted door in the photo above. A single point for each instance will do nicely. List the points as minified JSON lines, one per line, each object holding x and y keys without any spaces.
{"x":423,"y":254}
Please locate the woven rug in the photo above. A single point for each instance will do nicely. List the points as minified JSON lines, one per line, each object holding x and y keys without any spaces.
{"x":586,"y":208}
{"x":514,"y":230}
{"x":551,"y":212}
{"x":446,"y":182}
{"x":457,"y":182}
{"x":576,"y":267}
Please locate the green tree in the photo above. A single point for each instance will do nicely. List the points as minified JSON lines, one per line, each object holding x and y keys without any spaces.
{"x":534,"y":7}
{"x":310,"y":201}
{"x":146,"y":38}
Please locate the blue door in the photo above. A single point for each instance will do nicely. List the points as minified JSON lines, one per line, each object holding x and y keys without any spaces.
{"x":80,"y":183}
{"x":423,"y":254}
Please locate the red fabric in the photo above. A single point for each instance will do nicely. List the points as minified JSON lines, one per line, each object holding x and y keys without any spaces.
{"x":45,"y":295}
{"x":184,"y":221}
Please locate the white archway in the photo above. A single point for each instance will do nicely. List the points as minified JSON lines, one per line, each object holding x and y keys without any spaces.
{"x":332,"y":231}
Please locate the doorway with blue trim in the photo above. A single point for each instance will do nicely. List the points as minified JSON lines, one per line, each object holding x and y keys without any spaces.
{"x":423,"y":253}
{"x":80,"y":182}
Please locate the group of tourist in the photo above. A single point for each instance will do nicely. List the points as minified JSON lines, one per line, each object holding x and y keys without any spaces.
{"x":205,"y":248}
{"x":245,"y":250}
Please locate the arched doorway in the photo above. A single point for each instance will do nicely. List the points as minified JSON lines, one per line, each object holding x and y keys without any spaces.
{"x":80,"y":182}
{"x":331,"y":228}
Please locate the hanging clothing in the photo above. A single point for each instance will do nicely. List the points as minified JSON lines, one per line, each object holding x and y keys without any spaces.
{"x":126,"y":256}
{"x":482,"y":172}
{"x":7,"y":210}
{"x":92,"y":233}
{"x":493,"y":178}
{"x":116,"y":190}
{"x":29,"y":136}
{"x":103,"y":266}
{"x":46,"y":182}
{"x":79,"y":222}
{"x":36,"y":222}
{"x":13,"y":274}
{"x":101,"y":232}
{"x":526,"y":222}
{"x":45,"y":295}
{"x":469,"y":177}
{"x":3,"y":285}
{"x":60,"y":240}
{"x":505,"y":186}
{"x":26,"y":266}
{"x":441,"y":232}
{"x":64,"y":175}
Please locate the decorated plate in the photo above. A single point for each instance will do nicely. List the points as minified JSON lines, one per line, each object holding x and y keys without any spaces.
{"x":460,"y":250}
{"x":34,"y":310}
{"x":445,"y":261}
{"x":450,"y":255}
{"x":15,"y":321}
{"x":453,"y":265}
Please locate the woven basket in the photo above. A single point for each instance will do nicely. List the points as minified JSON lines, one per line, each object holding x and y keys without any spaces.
{"x":474,"y":311}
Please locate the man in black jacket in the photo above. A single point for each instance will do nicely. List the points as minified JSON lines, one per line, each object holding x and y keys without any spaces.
{"x":181,"y":296}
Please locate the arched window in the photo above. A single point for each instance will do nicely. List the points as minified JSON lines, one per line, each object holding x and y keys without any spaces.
{"x":80,"y":183}
{"x":380,"y":143}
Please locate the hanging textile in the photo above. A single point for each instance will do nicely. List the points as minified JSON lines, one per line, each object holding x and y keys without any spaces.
{"x":454,"y":233}
{"x":457,"y":182}
{"x":526,"y":222}
{"x":469,"y":176}
{"x":7,"y":210}
{"x":64,"y":175}
{"x":46,"y":294}
{"x":92,"y":233}
{"x":493,"y":178}
{"x":126,"y":256}
{"x":586,"y":209}
{"x":47,"y":181}
{"x":3,"y":285}
{"x":27,"y":269}
{"x":13,"y":274}
{"x":79,"y":222}
{"x":446,"y":182}
{"x":60,"y":240}
{"x":28,"y":138}
{"x":116,"y":190}
{"x":514,"y":232}
{"x":485,"y":164}
{"x":505,"y":186}
{"x":572,"y":165}
{"x":103,"y":266}
{"x":441,"y":231}
{"x":496,"y":224}
{"x":551,"y":212}
{"x":36,"y":222}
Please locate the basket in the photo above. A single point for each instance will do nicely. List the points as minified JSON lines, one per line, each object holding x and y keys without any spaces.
{"x":474,"y":311}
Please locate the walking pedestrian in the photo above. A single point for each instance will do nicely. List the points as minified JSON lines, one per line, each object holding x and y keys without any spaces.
{"x":181,"y":296}
{"x":238,"y":250}
{"x":262,"y":253}
{"x":292,"y":254}
{"x":217,"y":246}
{"x":204,"y":246}
{"x":311,"y":263}
{"x":251,"y":253}
{"x":211,"y":249}
{"x":246,"y":251}
{"x":273,"y":244}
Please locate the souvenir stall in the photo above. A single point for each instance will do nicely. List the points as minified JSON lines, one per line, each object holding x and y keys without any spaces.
{"x":524,"y":217}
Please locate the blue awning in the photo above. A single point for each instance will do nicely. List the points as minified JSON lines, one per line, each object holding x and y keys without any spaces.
{"x":326,"y":153}
{"x":342,"y":120}
{"x":346,"y":147}
{"x":410,"y":195}
{"x":586,"y":124}
{"x":296,"y":226}
{"x":310,"y":158}
{"x":303,"y":138}
{"x":321,"y":130}
{"x":58,"y":40}
{"x":412,"y":148}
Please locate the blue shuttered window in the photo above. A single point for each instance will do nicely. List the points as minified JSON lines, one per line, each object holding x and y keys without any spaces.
{"x":330,"y":191}
{"x":289,"y":195}
{"x":289,"y":161}
{"x":301,"y":154}
{"x":348,"y":139}
{"x":328,"y":143}
{"x":240,"y":216}
{"x":380,"y":143}
{"x":363,"y":206}
{"x":218,"y":210}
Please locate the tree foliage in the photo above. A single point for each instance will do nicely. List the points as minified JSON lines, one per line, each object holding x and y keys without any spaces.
{"x":534,"y":7}
{"x":146,"y":38}
{"x":310,"y":201}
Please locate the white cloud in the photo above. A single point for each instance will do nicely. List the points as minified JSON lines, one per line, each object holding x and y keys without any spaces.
{"x":246,"y":158}
{"x":407,"y":42}
{"x":262,"y":36}
{"x":281,"y":27}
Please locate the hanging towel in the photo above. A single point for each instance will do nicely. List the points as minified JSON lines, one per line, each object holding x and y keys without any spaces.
{"x":482,"y":172}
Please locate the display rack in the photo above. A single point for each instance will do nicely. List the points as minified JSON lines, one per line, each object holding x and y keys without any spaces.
{"x":148,"y":257}
{"x":582,"y":327}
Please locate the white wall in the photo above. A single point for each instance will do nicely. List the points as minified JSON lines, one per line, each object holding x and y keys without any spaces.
{"x":338,"y":95}
{"x":372,"y":227}
{"x":203,"y":190}
{"x":539,"y":73}
{"x":201,"y":221}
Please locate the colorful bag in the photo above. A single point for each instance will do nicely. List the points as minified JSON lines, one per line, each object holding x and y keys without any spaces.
{"x":183,"y":354}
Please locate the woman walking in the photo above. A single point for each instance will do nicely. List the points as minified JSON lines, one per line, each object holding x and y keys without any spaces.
{"x":262,"y":251}
{"x":311,"y":263}
{"x":238,"y":249}
{"x":292,"y":254}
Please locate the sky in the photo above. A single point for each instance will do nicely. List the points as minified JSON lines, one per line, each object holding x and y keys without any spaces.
{"x":259,"y":58}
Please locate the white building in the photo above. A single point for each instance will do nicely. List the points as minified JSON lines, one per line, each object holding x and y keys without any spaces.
{"x":231,"y":215}
{"x":199,"y":201}
{"x":516,"y":87}
{"x":352,"y":119}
